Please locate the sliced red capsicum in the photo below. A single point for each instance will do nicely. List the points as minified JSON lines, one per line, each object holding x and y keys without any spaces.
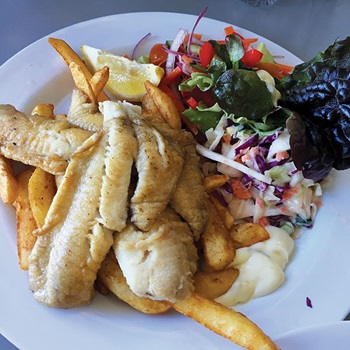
{"x":206,"y":54}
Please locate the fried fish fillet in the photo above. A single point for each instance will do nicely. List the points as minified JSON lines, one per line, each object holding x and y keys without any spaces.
{"x":91,"y":203}
{"x":189,"y":197}
{"x":159,"y":167}
{"x":160,"y":263}
{"x":121,"y":153}
{"x":38,"y":141}
{"x":72,"y":243}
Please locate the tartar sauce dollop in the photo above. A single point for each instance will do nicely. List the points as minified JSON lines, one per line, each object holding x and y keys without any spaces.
{"x":261,"y":267}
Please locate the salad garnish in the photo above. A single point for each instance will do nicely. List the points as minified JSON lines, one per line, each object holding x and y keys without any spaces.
{"x":275,"y":130}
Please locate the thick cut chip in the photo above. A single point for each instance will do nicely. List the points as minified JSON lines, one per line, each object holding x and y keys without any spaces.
{"x":98,"y":83}
{"x":225,"y":322}
{"x":213,"y":182}
{"x":69,"y":56}
{"x":213,"y":284}
{"x":25,"y":220}
{"x":165,"y":106}
{"x":82,"y":82}
{"x":41,"y":190}
{"x":8,"y":182}
{"x":223,"y":211}
{"x":218,"y":246}
{"x":247,"y":234}
{"x":45,"y":110}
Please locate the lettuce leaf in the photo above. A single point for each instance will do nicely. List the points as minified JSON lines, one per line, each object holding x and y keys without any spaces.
{"x":204,"y":117}
{"x":244,"y":94}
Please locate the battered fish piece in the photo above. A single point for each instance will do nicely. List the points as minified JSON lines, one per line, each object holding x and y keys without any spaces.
{"x":91,"y":203}
{"x":159,"y":167}
{"x":72,"y":243}
{"x":158,"y":264}
{"x":189,"y":197}
{"x":38,"y":141}
{"x":121,"y":153}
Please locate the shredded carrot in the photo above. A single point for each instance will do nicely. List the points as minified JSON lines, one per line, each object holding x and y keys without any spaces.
{"x":318,"y":203}
{"x":288,"y":193}
{"x":229,"y":30}
{"x":239,"y":190}
{"x":247,"y":42}
{"x":195,"y":35}
{"x":282,"y":155}
{"x":186,"y":59}
{"x":264,"y":221}
{"x":227,"y":138}
{"x":283,"y":208}
{"x":277,"y":70}
{"x":259,"y":202}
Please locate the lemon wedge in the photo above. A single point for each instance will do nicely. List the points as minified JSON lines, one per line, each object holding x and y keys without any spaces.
{"x":126,"y":77}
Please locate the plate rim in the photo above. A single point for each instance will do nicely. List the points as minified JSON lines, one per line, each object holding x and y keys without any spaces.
{"x":93,"y":20}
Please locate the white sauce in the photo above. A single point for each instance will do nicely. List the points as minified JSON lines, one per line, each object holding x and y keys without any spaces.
{"x":261,"y":268}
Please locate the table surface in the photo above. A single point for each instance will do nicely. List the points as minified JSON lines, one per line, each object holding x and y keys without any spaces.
{"x":303,"y":27}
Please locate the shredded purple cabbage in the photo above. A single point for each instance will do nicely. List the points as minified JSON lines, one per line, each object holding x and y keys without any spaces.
{"x":251,"y":141}
{"x":269,"y":138}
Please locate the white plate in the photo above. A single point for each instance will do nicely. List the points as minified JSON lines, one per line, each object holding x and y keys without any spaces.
{"x":319,"y":269}
{"x":321,"y":337}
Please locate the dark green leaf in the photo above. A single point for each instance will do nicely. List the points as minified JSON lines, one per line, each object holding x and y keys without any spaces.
{"x":242,"y":93}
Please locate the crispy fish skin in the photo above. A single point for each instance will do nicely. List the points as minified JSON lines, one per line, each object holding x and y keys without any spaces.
{"x":160,"y":263}
{"x":38,"y":141}
{"x":159,"y":167}
{"x":121,"y":152}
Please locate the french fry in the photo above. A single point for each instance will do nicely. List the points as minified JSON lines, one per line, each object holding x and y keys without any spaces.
{"x":44,"y":110}
{"x":41,"y":190}
{"x":98,"y":82}
{"x":69,"y":56}
{"x":112,"y":277}
{"x":223,"y":211}
{"x":25,"y":221}
{"x":213,"y":182}
{"x":246,"y":234}
{"x":217,"y":244}
{"x":212,"y":284}
{"x":165,"y":105}
{"x":149,"y":109}
{"x":8,"y":182}
{"x":225,"y":322}
{"x":82,"y":82}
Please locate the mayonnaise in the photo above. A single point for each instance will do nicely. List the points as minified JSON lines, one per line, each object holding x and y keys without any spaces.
{"x":261,"y":267}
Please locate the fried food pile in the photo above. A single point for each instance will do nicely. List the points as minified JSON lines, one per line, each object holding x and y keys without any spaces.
{"x":124,"y":185}
{"x":113,"y":198}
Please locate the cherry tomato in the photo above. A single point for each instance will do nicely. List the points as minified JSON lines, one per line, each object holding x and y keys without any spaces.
{"x":158,"y":55}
